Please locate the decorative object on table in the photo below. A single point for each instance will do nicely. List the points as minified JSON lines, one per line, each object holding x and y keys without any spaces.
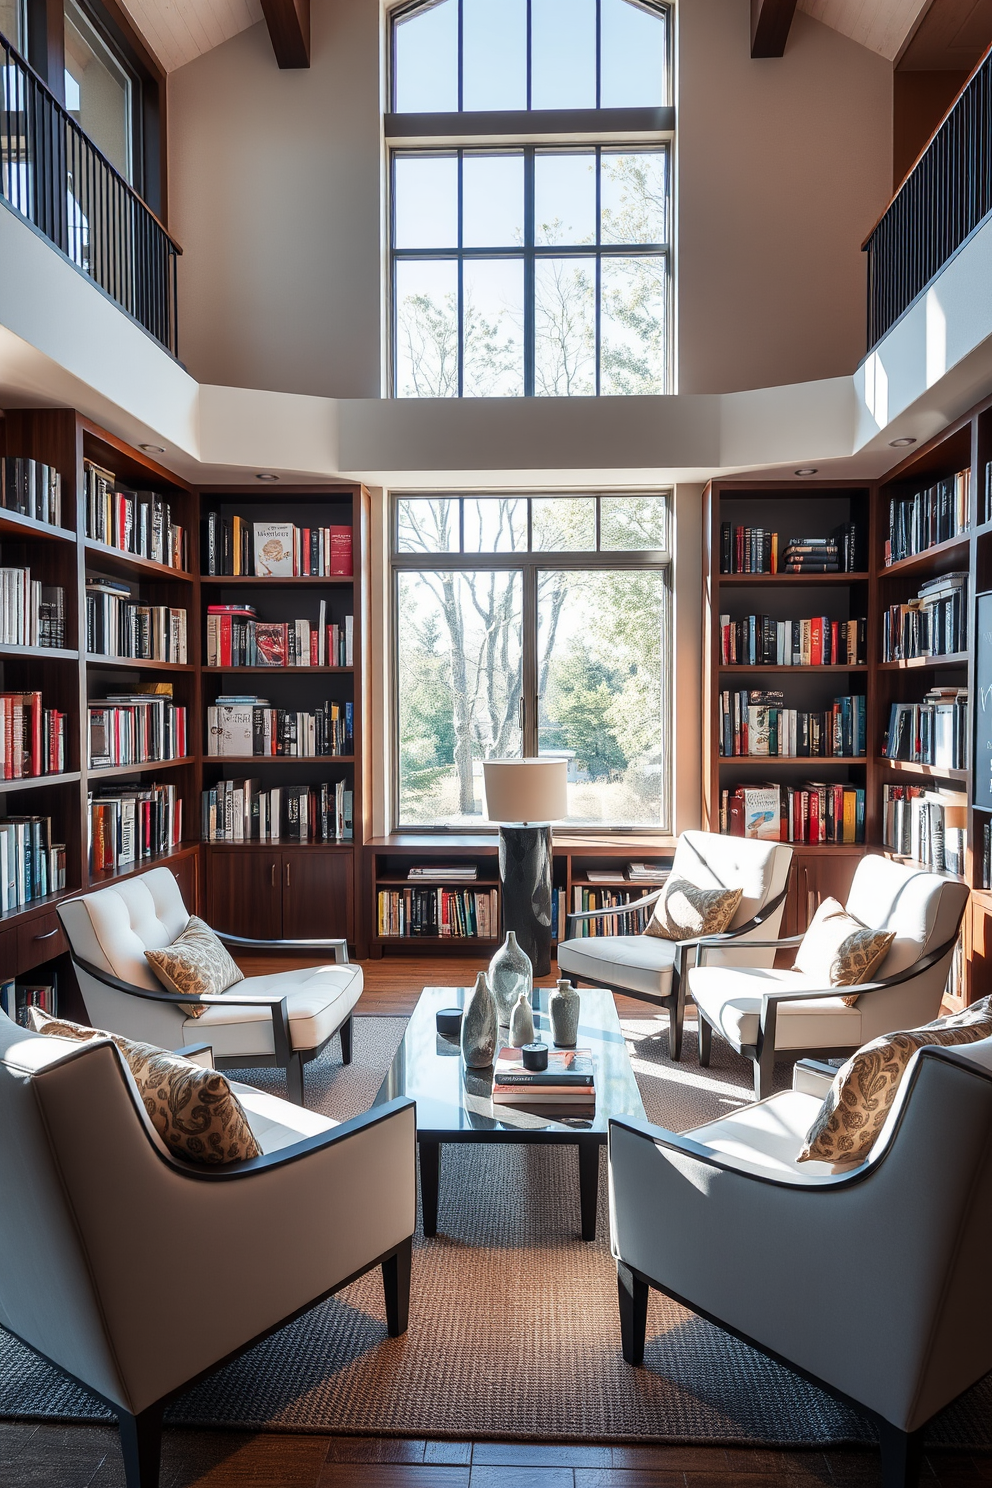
{"x":534,"y":1056}
{"x":522,"y":1023}
{"x":563,"y":1010}
{"x":525,"y":796}
{"x":567,"y":1080}
{"x":449,"y":1022}
{"x":510,"y":973}
{"x":480,"y":1027}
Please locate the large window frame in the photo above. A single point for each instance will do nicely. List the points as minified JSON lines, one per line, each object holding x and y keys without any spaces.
{"x":529,"y":563}
{"x":452,"y":133}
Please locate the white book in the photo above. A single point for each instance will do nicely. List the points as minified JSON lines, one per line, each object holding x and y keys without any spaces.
{"x":274,"y":549}
{"x":233,"y":728}
{"x":322,"y":634}
{"x":349,"y":640}
{"x":128,"y":813}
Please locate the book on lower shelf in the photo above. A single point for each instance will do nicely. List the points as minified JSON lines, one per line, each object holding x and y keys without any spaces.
{"x":31,"y":613}
{"x":568,"y":1080}
{"x":932,"y":732}
{"x":241,"y":811}
{"x":32,"y":865}
{"x":935,"y":623}
{"x":585,"y":900}
{"x":761,"y":640}
{"x":458,"y":913}
{"x":135,"y":728}
{"x":32,"y":737}
{"x":118,"y":626}
{"x":927,"y":826}
{"x":130,"y":825}
{"x":455,"y":872}
{"x":236,"y":637}
{"x":31,"y":488}
{"x":649,"y":873}
{"x":241,"y":726}
{"x":16,"y":997}
{"x":810,"y":812}
{"x":756,"y":722}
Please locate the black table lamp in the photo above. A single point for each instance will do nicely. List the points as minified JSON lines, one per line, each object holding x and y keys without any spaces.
{"x":525,"y":796}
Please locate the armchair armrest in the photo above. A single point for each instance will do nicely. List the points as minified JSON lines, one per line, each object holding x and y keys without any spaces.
{"x":687,"y":1146}
{"x":334,"y":943}
{"x":731,"y":937}
{"x":812,"y":1077}
{"x":614,"y":912}
{"x":201,"y":1054}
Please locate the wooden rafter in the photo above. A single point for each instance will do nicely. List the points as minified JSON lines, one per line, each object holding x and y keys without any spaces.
{"x":289,"y":29}
{"x":770,"y":23}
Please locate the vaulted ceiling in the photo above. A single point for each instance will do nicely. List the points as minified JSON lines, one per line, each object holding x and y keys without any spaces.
{"x":880,"y":25}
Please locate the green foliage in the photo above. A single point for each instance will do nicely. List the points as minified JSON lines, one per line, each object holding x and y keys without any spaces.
{"x":578,"y":698}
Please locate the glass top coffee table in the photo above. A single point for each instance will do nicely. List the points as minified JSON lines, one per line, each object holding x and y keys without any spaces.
{"x":454,"y":1104}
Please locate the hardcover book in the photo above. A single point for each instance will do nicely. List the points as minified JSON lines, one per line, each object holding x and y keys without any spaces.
{"x":274,"y":549}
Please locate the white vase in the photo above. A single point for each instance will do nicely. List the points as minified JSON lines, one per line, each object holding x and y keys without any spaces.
{"x":510,"y":973}
{"x":521,"y":1023}
{"x":480,"y":1028}
{"x":563,"y":1010}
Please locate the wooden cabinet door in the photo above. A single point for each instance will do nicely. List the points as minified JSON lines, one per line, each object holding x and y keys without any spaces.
{"x":317,"y":894}
{"x":243,"y":893}
{"x":185,"y":876}
{"x":818,"y":876}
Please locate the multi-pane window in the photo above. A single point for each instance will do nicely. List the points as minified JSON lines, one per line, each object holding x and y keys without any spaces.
{"x":534,"y":625}
{"x":532,"y":268}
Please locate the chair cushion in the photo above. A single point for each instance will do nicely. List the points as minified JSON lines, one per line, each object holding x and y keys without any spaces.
{"x":636,"y":962}
{"x":924,"y":909}
{"x":196,"y":962}
{"x":194,"y":1110}
{"x":731,"y":997}
{"x":278,"y":1123}
{"x":858,"y":1101}
{"x":839,"y":951}
{"x":686,"y":911}
{"x":767,"y":1135}
{"x":319,"y":999}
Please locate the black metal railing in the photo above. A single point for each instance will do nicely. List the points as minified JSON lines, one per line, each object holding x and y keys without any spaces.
{"x":943,"y":199}
{"x":53,"y":174}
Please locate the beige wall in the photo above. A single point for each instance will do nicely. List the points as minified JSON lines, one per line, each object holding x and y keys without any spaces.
{"x":275,"y":196}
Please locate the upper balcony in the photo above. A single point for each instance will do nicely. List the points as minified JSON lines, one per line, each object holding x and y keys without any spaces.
{"x":53,"y":176}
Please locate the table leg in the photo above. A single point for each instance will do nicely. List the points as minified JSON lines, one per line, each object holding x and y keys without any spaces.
{"x":588,"y":1186}
{"x":430,"y":1177}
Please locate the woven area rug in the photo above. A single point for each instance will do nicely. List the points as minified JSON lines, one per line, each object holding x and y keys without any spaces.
{"x":513,"y":1327}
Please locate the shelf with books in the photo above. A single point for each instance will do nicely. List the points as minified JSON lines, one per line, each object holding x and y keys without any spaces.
{"x":914,"y":767}
{"x":105,"y":772}
{"x":752,"y":667}
{"x":933,"y":558}
{"x":100,"y":877}
{"x":301,"y":671}
{"x":925,"y":663}
{"x":132,"y":565}
{"x":789,"y":580}
{"x":40,"y":653}
{"x":37,"y":782}
{"x":15,"y":525}
{"x":137,"y":664}
{"x":213,"y":581}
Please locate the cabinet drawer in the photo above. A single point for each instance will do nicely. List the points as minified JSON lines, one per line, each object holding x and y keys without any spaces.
{"x":39,"y":940}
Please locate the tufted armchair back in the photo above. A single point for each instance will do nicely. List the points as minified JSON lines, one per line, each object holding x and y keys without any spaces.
{"x":712,"y":860}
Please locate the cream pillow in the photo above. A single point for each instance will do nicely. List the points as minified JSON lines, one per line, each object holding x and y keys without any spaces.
{"x":858,"y":1101}
{"x":196,"y":962}
{"x":839,"y":951}
{"x":194,"y":1110}
{"x":684,"y":911}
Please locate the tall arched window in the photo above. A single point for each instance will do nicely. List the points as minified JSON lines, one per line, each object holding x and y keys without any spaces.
{"x":530,"y":187}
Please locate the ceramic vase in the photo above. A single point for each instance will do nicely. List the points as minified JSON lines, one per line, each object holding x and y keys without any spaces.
{"x":510,"y":973}
{"x":480,"y":1028}
{"x":563,"y":1010}
{"x":521,"y":1023}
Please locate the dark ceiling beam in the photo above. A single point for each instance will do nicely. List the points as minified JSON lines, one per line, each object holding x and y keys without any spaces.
{"x":770,"y":22}
{"x":289,"y":29}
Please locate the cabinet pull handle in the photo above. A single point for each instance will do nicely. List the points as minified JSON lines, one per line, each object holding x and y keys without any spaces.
{"x":273,"y":875}
{"x":48,"y":934}
{"x":287,"y":875}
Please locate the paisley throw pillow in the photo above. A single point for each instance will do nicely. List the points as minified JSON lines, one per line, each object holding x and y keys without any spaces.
{"x":858,"y":1101}
{"x":195,"y":962}
{"x":839,"y":950}
{"x":685,"y":911}
{"x":194,"y":1110}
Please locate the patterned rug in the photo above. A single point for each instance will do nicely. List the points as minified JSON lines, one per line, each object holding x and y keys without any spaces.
{"x":513,"y":1326}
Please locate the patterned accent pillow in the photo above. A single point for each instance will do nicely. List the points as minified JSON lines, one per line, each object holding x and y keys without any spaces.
{"x":195,"y":962}
{"x":194,"y":1110}
{"x":685,"y":911}
{"x":839,"y":950}
{"x":857,"y":1103}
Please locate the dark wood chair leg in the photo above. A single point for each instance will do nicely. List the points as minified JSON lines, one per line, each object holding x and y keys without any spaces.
{"x":705,"y":1042}
{"x":396,"y":1285}
{"x":633,"y":1296}
{"x":764,"y":1074}
{"x":902,"y":1455}
{"x":294,"y":1079}
{"x":346,"y":1030}
{"x":141,"y":1445}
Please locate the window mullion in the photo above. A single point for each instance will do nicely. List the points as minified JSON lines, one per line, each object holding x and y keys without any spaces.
{"x":461,"y":264}
{"x":529,"y":741}
{"x":530,"y":307}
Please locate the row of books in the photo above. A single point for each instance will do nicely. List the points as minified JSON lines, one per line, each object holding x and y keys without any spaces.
{"x":811,"y":812}
{"x":760,"y":640}
{"x":239,"y":727}
{"x":584,"y":899}
{"x":17,"y":997}
{"x":931,"y":732}
{"x":935,"y":623}
{"x":275,"y":550}
{"x":128,"y":825}
{"x":31,"y":613}
{"x":240,"y":811}
{"x":757,"y":722}
{"x":757,"y":550}
{"x":138,"y":522}
{"x":928,"y":826}
{"x":236,"y":637}
{"x":32,"y":737}
{"x":116,"y":625}
{"x":31,"y":488}
{"x":928,"y":517}
{"x":459,"y":913}
{"x":135,"y":729}
{"x":568,"y":1081}
{"x":31,"y":863}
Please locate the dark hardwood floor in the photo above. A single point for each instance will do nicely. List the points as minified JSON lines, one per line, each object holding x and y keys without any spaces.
{"x":87,"y":1457}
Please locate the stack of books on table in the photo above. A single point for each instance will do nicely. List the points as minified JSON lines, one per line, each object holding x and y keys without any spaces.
{"x":444,"y":872}
{"x":567,"y":1081}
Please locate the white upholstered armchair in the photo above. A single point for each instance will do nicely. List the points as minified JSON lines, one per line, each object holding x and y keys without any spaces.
{"x":771,"y":1014}
{"x":652,"y":969}
{"x":147,"y":1272}
{"x":867,"y":1281}
{"x":284,"y":1018}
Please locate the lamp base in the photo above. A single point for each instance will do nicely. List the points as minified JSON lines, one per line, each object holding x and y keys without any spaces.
{"x":525,"y":860}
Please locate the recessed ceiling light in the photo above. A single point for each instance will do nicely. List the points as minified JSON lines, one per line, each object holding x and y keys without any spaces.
{"x":902,"y":443}
{"x":266,"y":477}
{"x":154,"y":449}
{"x":807,"y":470}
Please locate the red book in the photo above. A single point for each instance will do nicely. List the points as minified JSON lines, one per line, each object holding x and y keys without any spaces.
{"x":272,"y":641}
{"x":313,"y":649}
{"x":224,"y":648}
{"x":341,"y":554}
{"x":305,"y":552}
{"x":816,"y":641}
{"x":835,"y":655}
{"x":735,"y":816}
